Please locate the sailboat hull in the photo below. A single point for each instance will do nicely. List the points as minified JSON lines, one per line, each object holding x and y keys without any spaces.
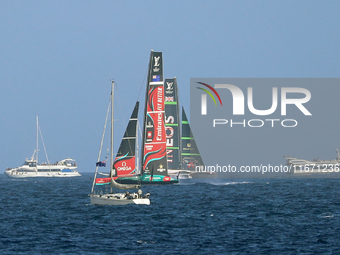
{"x":14,"y":173}
{"x":184,"y":174}
{"x":147,"y":180}
{"x":117,"y":199}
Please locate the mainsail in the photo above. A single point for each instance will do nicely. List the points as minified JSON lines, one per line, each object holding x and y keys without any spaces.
{"x":154,"y":160}
{"x":171,"y":124}
{"x":191,"y":158}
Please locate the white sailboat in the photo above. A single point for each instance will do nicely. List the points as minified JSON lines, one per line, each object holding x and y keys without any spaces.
{"x":111,"y":198}
{"x":31,"y":167}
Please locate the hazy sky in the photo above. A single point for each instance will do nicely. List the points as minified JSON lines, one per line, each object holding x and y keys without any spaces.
{"x":57,"y":59}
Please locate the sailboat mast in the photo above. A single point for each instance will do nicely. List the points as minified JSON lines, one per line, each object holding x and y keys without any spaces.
{"x":111,"y":154}
{"x":101,"y":146}
{"x":37,"y":138}
{"x":179,"y":130}
{"x":137,"y":149}
{"x":145,"y":115}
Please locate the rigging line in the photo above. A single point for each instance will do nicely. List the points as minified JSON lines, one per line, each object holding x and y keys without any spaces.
{"x":120,"y":110}
{"x":139,"y":164}
{"x":129,"y":142}
{"x":42,"y":139}
{"x":142,"y":85}
{"x":140,"y":167}
{"x":120,"y":107}
{"x":122,"y":116}
{"x":136,"y":148}
{"x":101,"y":145}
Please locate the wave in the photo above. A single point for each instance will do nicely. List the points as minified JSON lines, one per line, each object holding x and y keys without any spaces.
{"x":233,"y":183}
{"x":216,"y":183}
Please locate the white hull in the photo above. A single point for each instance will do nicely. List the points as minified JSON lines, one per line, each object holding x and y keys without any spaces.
{"x":22,"y":174}
{"x":31,"y":168}
{"x":64,"y":168}
{"x":185,"y":174}
{"x":181,"y":174}
{"x":117,"y":199}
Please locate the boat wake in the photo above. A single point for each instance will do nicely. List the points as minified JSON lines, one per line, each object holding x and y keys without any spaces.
{"x":326,"y":215}
{"x":217,"y":183}
{"x":234,"y":183}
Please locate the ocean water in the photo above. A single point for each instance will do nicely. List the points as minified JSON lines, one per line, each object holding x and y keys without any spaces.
{"x":224,"y":216}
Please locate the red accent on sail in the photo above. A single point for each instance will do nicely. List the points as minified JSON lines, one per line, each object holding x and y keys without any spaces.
{"x":124,"y":166}
{"x":158,"y":134}
{"x":107,"y":180}
{"x":156,"y":99}
{"x":155,"y":144}
{"x":153,"y":152}
{"x":103,"y":180}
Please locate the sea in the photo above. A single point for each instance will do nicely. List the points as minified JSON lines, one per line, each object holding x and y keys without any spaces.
{"x":211,"y":216}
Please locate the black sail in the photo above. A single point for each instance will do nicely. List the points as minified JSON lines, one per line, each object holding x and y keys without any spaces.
{"x":191,"y":158}
{"x":125,"y":161}
{"x":172,"y":126}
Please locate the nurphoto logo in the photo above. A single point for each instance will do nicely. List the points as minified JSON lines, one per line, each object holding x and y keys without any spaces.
{"x":298,"y":97}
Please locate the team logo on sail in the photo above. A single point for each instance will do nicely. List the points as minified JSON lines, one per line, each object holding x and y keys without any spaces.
{"x":156,"y":64}
{"x":124,"y":167}
{"x":161,"y":168}
{"x":169,"y":85}
{"x":169,"y":88}
{"x":157,"y":60}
